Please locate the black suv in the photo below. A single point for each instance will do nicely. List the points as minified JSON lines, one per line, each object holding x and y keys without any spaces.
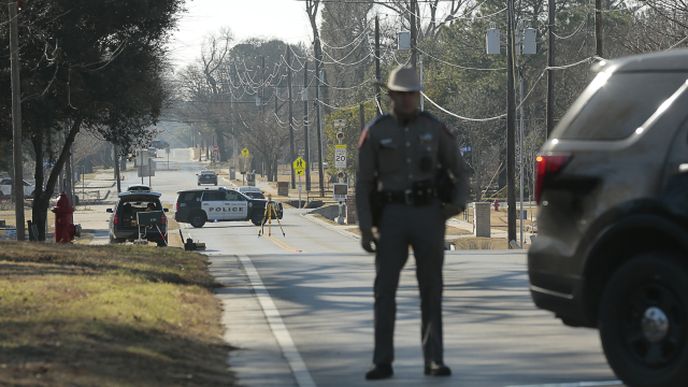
{"x":612,"y":249}
{"x":134,"y":207}
{"x":207,"y":177}
{"x":197,"y":206}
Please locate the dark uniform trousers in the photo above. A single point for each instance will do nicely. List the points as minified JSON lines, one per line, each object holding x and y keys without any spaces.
{"x":422,"y":228}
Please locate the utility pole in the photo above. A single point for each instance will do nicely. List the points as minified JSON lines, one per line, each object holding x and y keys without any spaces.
{"x":378,"y":77}
{"x":521,"y":154}
{"x":414,"y":35}
{"x":599,"y":49}
{"x":551,"y":9}
{"x":318,"y":114}
{"x":262,"y":84}
{"x":292,"y":154}
{"x":421,"y":76}
{"x":18,"y":183}
{"x":306,"y":135}
{"x":510,"y":127}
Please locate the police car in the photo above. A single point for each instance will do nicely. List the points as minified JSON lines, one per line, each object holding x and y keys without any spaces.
{"x":198,"y":206}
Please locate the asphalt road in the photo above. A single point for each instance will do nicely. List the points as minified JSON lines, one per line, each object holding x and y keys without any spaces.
{"x":299,"y":307}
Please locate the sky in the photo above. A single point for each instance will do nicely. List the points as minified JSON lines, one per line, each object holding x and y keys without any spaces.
{"x":283,"y":19}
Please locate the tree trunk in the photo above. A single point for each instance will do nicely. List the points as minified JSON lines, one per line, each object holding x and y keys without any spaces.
{"x":224,"y":152}
{"x":268,"y":168}
{"x":41,"y":201}
{"x":36,"y":217}
{"x":116,"y":156}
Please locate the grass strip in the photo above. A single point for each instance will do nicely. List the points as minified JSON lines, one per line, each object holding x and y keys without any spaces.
{"x":108,"y":316}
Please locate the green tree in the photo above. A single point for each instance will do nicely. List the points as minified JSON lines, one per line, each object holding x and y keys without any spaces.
{"x":86,"y":64}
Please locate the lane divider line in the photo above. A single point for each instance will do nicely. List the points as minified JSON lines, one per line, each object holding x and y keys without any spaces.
{"x":279,"y":330}
{"x":283,"y":245}
{"x":576,"y":384}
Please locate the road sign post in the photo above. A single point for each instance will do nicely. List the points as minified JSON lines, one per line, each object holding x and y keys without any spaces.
{"x":299,"y":190}
{"x":245,"y":155}
{"x":340,"y":191}
{"x":299,"y":166}
{"x":340,"y":156}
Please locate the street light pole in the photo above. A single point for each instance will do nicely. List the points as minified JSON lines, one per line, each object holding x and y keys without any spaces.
{"x":318,"y":115}
{"x":510,"y":127}
{"x":292,"y":151}
{"x":18,"y":183}
{"x":549,"y":113}
{"x":414,"y":33}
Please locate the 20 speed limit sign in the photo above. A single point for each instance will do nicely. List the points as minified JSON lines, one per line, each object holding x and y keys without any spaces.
{"x":340,"y":156}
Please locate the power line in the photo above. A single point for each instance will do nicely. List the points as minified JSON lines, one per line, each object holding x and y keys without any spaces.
{"x":462,"y":67}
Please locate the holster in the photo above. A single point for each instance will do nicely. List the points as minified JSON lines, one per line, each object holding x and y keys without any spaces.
{"x":376,"y":207}
{"x":445,"y":184}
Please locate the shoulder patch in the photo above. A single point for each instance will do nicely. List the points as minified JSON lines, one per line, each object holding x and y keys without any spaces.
{"x":364,"y":136}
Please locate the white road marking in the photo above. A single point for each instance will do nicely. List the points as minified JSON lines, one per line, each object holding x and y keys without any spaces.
{"x":576,"y":384}
{"x":279,"y":330}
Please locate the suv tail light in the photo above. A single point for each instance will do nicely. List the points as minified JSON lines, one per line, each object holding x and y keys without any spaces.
{"x":163,"y":219}
{"x":115,"y":220}
{"x":177,"y":206}
{"x":545,"y":167}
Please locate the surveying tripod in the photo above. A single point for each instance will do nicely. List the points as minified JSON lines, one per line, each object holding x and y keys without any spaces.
{"x":270,"y":211}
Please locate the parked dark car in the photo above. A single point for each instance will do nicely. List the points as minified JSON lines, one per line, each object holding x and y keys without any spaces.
{"x":138,"y":188}
{"x":197,"y":206}
{"x":612,"y":248}
{"x":124,"y":224}
{"x":251,"y":191}
{"x":207,"y":177}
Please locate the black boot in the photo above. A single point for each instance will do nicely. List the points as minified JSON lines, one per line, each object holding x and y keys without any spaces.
{"x":437,"y":369}
{"x":380,"y":371}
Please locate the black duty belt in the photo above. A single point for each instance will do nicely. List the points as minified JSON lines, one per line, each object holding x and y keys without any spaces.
{"x":418,"y":197}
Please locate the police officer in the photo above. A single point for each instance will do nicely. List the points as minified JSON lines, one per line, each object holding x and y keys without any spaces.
{"x":401,"y":202}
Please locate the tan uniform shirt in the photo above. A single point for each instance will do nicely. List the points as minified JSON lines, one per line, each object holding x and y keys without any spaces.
{"x":394,"y":155}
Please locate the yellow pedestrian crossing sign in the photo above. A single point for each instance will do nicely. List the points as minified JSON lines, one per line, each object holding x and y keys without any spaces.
{"x":245,"y":153}
{"x":299,"y":166}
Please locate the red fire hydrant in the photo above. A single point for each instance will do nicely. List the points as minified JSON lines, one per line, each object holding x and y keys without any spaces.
{"x":495,"y":204}
{"x":64,"y":220}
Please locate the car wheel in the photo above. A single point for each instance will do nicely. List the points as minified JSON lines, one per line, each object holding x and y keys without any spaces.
{"x":643,"y":321}
{"x":197,"y":219}
{"x":161,"y":243}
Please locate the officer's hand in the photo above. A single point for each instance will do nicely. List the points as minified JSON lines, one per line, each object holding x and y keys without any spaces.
{"x":368,"y":241}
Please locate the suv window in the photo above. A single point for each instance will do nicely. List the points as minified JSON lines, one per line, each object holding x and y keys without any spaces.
{"x":213,"y":196}
{"x":190,"y":197}
{"x":234,"y":196}
{"x":615,"y":109}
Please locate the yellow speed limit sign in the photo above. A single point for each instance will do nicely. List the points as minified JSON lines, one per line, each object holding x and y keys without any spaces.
{"x":299,"y":166}
{"x":245,"y":153}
